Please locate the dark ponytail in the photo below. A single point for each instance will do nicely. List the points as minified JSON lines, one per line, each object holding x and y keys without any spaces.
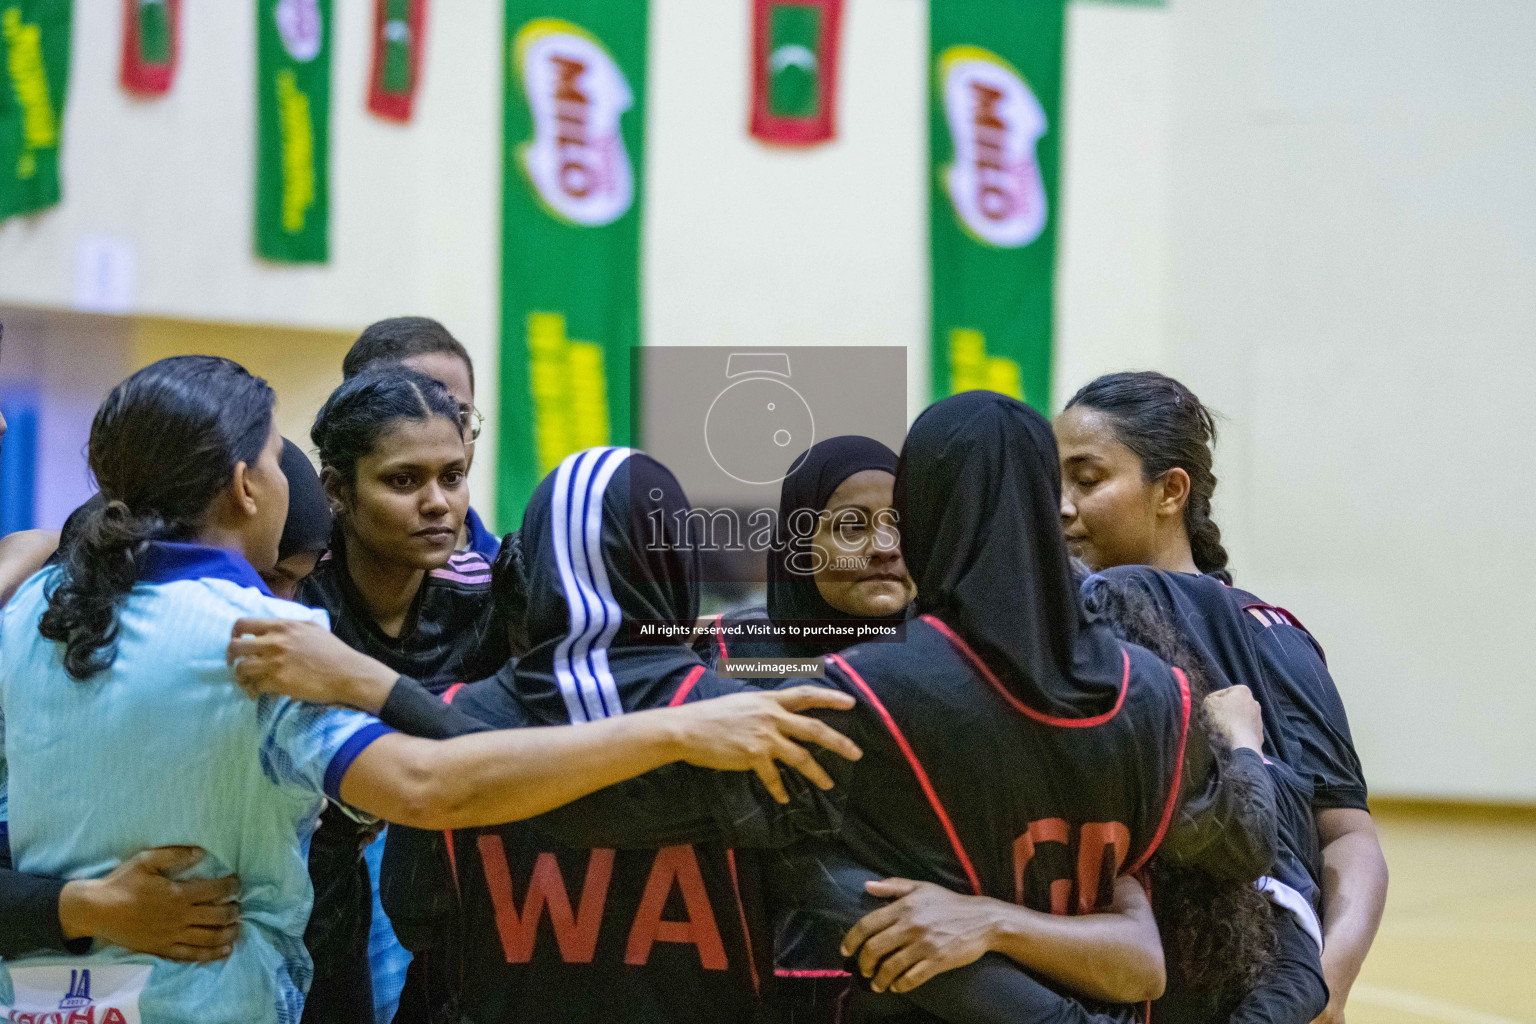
{"x":163,"y":444}
{"x":1167,"y":427}
{"x":367,"y":406}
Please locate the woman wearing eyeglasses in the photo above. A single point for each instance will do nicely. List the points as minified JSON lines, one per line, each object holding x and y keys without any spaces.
{"x":423,"y":344}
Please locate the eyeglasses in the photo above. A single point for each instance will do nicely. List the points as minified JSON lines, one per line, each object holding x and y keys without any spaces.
{"x":471,"y":421}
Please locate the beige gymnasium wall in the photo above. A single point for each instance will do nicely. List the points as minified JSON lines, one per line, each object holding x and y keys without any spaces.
{"x":1348,"y":242}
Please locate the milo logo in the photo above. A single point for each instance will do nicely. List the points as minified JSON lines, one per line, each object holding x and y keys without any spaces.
{"x":300,"y":26}
{"x":576,"y":93}
{"x":995,"y":122}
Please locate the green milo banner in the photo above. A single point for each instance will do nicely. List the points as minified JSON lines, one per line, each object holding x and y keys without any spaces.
{"x":994,"y":149}
{"x":34,"y":63}
{"x":293,"y":116}
{"x":570,"y":292}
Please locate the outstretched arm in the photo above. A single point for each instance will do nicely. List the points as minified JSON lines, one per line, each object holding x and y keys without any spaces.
{"x":1116,"y":955}
{"x":509,"y":775}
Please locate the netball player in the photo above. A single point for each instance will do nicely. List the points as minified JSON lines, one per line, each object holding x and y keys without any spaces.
{"x":394,"y":465}
{"x":140,"y":905}
{"x":424,"y":344}
{"x":123,"y":726}
{"x":1137,"y":486}
{"x":836,"y":558}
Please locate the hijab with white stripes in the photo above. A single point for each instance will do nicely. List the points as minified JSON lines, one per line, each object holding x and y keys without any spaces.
{"x":612,"y":585}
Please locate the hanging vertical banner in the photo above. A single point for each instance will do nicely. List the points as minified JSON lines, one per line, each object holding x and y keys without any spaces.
{"x":34,"y":73}
{"x":151,"y":45}
{"x":994,"y":147}
{"x":794,"y":70}
{"x":293,"y":114}
{"x":399,"y":37}
{"x":570,"y":297}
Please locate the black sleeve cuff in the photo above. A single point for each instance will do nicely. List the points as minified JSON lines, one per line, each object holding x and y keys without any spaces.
{"x":1329,"y":798}
{"x":415,"y":711}
{"x":29,"y":916}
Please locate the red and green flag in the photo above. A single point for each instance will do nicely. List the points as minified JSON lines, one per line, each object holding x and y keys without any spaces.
{"x":293,"y":114}
{"x":574,"y":140}
{"x":151,"y":45}
{"x":34,"y":74}
{"x":994,"y":153}
{"x":794,"y":70}
{"x":399,"y":39}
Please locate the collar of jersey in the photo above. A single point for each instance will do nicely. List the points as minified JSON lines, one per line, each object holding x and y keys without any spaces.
{"x":166,"y":561}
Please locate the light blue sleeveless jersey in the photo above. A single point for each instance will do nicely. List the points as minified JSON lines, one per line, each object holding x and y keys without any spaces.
{"x":164,"y":748}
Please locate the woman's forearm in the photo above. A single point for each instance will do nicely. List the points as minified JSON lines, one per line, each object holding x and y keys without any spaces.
{"x":1354,"y":893}
{"x":511,"y":774}
{"x":1116,"y":956}
{"x":507,"y":775}
{"x":928,"y":931}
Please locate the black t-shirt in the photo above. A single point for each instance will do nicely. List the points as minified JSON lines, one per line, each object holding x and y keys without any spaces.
{"x":1312,"y":708}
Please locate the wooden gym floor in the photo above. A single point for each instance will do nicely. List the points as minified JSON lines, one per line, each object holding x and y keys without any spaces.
{"x":1458,"y":940}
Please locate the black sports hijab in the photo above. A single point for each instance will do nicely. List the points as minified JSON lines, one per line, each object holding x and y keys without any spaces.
{"x":308,"y":527}
{"x":604,"y":552}
{"x":978,"y":491}
{"x":813,"y":477}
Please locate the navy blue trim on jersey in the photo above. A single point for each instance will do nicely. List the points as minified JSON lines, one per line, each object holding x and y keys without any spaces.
{"x":166,"y":561}
{"x":481,"y":540}
{"x":347,"y":753}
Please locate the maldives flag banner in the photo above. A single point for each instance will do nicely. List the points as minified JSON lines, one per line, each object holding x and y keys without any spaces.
{"x":34,"y":74}
{"x":293,"y":116}
{"x":994,"y":151}
{"x":794,"y":70}
{"x":151,"y":45}
{"x":574,"y":143}
{"x":399,"y":38}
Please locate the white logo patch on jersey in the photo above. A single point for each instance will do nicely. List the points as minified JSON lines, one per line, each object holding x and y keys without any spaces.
{"x":104,"y":994}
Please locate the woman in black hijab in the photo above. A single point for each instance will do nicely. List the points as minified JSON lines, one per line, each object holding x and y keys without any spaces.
{"x":835,"y":559}
{"x":835,"y":556}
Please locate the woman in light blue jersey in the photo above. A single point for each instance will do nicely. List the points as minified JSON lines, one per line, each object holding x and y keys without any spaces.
{"x":123,"y":727}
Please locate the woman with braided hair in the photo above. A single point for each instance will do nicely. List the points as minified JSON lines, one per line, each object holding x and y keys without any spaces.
{"x":1136,"y":491}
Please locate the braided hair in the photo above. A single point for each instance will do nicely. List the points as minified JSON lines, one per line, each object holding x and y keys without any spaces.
{"x":1167,"y":427}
